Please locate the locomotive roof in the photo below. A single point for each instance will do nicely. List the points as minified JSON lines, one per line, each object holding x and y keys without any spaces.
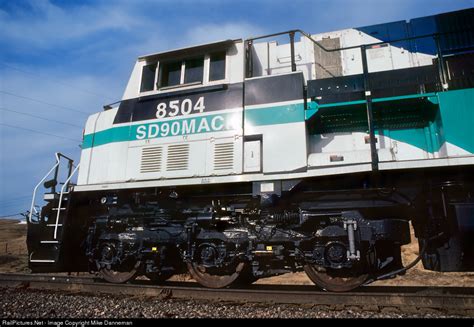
{"x":197,"y":49}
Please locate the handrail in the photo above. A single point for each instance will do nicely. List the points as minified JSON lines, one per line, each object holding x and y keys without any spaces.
{"x":363,"y":49}
{"x":65,"y":185}
{"x":308,"y":36}
{"x":57,"y":154}
{"x":65,"y":157}
{"x":436,"y":36}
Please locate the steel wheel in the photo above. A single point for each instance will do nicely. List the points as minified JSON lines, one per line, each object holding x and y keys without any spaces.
{"x":119,"y":277}
{"x":335,"y":281}
{"x":112,"y":271}
{"x":214,"y":280}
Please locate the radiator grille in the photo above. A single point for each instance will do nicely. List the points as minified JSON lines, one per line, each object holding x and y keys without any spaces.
{"x":224,"y":156}
{"x":151,"y":159}
{"x":178,"y":157}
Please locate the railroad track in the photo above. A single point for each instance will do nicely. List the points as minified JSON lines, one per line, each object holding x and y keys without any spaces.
{"x":440,"y":298}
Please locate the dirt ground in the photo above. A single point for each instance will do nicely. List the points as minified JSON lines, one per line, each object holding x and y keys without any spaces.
{"x":13,"y":252}
{"x":13,"y":258}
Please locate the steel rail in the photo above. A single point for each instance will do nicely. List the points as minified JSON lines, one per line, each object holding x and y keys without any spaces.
{"x":444,"y":298}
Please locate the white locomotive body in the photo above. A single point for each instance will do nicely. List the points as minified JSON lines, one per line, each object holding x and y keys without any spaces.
{"x":242,"y":159}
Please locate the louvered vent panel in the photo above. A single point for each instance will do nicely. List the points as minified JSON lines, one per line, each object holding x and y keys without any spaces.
{"x":151,"y":159}
{"x":224,"y":156}
{"x":178,"y":157}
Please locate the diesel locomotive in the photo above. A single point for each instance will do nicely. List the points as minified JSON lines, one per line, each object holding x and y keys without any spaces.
{"x":247,"y":158}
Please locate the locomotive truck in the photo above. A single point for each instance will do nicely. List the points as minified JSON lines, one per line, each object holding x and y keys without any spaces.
{"x":247,"y":158}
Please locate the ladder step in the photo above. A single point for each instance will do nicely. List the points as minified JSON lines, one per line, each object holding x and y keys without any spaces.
{"x":50,"y":196}
{"x":43,"y":261}
{"x":56,"y":209}
{"x":53,"y":225}
{"x":49,"y":242}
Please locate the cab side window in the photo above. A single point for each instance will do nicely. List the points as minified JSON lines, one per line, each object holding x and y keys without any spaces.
{"x":170,"y":74}
{"x":217,"y":66}
{"x":148,"y":78}
{"x":193,"y":70}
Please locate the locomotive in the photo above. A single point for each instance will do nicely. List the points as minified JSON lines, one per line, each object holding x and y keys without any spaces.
{"x":242,"y":159}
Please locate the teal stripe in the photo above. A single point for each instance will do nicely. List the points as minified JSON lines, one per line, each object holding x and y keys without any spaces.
{"x":159,"y":129}
{"x":285,"y":114}
{"x":340,"y":104}
{"x":274,"y":115}
{"x":88,"y":141}
{"x":310,"y":113}
{"x":403,"y":97}
{"x":416,"y":137}
{"x":116,"y":134}
{"x":457,"y":116}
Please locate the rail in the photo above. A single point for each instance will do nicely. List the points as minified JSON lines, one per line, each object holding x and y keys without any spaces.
{"x":450,"y":299}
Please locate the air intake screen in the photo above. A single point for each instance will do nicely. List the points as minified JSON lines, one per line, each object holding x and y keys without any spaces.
{"x":178,"y":157}
{"x":151,"y":159}
{"x":224,"y":156}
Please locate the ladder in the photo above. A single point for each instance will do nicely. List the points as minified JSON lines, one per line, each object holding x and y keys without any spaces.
{"x":46,"y":226}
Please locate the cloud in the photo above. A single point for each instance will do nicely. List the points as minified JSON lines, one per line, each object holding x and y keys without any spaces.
{"x":47,"y":25}
{"x":215,"y":32}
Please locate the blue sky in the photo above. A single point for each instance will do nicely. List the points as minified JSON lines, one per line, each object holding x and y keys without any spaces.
{"x":63,"y":60}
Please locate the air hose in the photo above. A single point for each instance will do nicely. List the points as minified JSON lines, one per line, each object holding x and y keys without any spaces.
{"x":411,"y":265}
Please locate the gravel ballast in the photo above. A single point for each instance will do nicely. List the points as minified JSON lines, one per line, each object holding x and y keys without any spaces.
{"x":25,"y":303}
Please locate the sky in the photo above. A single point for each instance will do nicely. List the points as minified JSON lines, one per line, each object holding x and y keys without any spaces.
{"x":61,"y":61}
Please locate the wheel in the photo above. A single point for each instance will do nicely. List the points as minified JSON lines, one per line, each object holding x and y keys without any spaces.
{"x":213,"y":278}
{"x":112,"y":272}
{"x":119,"y":276}
{"x":210,"y":268}
{"x":158,"y":277}
{"x":335,"y":280}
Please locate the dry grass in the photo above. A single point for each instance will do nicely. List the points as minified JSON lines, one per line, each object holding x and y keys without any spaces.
{"x":13,"y":252}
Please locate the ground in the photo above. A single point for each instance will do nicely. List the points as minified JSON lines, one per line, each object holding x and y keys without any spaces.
{"x":13,"y":252}
{"x":13,"y":258}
